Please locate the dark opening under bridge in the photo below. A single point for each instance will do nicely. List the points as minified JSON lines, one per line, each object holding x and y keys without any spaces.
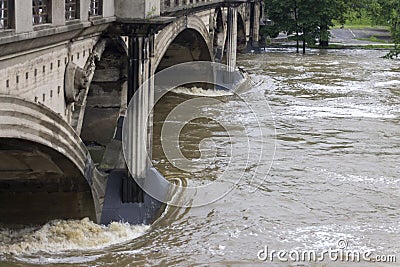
{"x":67,"y":71}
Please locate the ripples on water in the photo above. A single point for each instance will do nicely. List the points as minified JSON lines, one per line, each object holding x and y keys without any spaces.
{"x":335,"y":174}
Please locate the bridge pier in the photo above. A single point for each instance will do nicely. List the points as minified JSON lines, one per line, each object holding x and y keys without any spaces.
{"x":255,"y":16}
{"x":63,"y":94}
{"x":138,"y":74}
{"x":231,"y":43}
{"x":126,"y":195}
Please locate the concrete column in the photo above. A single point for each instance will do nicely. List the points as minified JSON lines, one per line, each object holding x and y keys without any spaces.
{"x":150,"y":99}
{"x":84,"y":10}
{"x":108,"y":8}
{"x":254,"y":36}
{"x":162,"y":6}
{"x":152,"y":8}
{"x":256,"y":26}
{"x":138,"y":134}
{"x":129,"y":9}
{"x":57,"y":13}
{"x":231,"y":44}
{"x":23,"y":16}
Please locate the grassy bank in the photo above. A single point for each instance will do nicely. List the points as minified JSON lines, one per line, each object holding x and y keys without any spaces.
{"x":360,"y":21}
{"x":374,"y":39}
{"x":337,"y":46}
{"x":353,"y":46}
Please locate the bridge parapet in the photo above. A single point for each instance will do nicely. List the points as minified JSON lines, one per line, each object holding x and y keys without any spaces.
{"x":127,"y":9}
{"x":22,"y":16}
{"x":172,"y":6}
{"x":175,"y":5}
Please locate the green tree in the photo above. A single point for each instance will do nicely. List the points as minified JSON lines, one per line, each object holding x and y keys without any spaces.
{"x":388,"y":11}
{"x":327,"y":11}
{"x":308,"y":19}
{"x":279,"y":12}
{"x":381,"y":12}
{"x":286,"y":17}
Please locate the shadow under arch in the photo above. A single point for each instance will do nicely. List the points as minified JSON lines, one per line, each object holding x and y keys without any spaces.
{"x":219,"y":35}
{"x":105,"y":105}
{"x":46,"y":172}
{"x":241,"y":34}
{"x":189,"y":45}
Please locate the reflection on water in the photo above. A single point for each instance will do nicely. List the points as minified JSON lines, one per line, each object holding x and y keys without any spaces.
{"x":335,"y":174}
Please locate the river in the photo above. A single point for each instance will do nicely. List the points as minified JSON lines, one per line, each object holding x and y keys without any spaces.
{"x":330,"y":175}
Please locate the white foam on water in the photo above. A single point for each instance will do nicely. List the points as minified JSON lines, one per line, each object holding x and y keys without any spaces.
{"x":197,"y":91}
{"x":66,"y":235}
{"x":325,"y":236}
{"x":388,"y":83}
{"x":359,"y":111}
{"x":58,"y":260}
{"x":217,"y":250}
{"x":130,"y":252}
{"x":377,"y":181}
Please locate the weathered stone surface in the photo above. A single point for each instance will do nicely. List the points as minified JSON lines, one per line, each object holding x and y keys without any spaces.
{"x":44,"y":159}
{"x":64,"y":82}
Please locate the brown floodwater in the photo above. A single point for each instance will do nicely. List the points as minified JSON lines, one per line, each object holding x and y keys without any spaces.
{"x":329,"y":172}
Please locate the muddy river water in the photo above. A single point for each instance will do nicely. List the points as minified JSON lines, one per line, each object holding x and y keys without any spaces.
{"x":333,"y":119}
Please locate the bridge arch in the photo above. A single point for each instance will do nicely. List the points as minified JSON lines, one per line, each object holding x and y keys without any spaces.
{"x":47,"y":172}
{"x":189,"y":33}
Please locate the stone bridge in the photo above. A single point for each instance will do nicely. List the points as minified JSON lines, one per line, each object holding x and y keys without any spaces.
{"x":67,"y":71}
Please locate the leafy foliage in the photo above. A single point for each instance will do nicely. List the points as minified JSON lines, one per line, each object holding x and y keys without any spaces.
{"x":388,"y":11}
{"x":310,"y":20}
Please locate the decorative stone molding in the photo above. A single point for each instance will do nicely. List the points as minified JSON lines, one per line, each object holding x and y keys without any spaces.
{"x":76,"y":79}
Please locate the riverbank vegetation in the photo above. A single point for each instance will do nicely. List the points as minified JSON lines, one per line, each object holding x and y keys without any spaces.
{"x":309,"y":21}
